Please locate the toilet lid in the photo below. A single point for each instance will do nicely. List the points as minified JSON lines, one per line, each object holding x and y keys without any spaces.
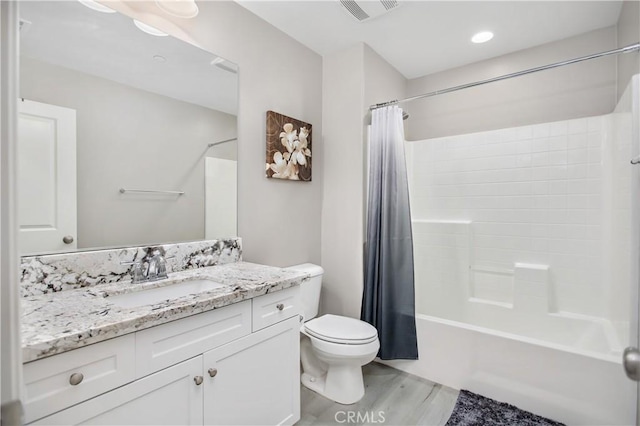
{"x":338,"y":329}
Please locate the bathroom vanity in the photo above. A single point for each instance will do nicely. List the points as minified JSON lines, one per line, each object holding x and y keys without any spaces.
{"x":228,"y":355}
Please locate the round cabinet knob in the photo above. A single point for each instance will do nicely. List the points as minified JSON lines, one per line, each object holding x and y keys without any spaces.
{"x":212,"y":372}
{"x":67,"y":239}
{"x":198,"y":380}
{"x":76,"y":379}
{"x":280,"y":306}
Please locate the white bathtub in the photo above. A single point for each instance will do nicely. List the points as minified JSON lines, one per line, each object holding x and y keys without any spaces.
{"x":568,"y":384}
{"x":497,"y":331}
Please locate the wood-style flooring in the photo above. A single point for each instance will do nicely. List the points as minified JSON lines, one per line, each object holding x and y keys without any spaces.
{"x":392,"y":397}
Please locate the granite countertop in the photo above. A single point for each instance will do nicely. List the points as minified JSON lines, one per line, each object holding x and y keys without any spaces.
{"x":58,"y":322}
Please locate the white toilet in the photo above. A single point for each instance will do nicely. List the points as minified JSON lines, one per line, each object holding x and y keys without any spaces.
{"x":333,"y":348}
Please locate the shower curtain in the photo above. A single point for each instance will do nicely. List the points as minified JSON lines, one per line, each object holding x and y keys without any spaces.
{"x":388,"y":301}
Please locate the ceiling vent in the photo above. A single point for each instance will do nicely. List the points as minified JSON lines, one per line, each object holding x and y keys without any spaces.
{"x":364,"y":10}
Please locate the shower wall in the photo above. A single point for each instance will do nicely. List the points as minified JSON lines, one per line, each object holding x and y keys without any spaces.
{"x":521,"y":219}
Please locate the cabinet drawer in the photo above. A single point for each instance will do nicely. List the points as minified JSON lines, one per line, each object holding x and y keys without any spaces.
{"x":102,"y":366}
{"x":168,"y":344}
{"x":275,"y":307}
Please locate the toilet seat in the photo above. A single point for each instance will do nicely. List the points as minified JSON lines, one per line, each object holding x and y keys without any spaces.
{"x":342,"y":330}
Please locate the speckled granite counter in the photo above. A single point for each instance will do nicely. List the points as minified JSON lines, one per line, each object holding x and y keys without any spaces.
{"x":58,"y":322}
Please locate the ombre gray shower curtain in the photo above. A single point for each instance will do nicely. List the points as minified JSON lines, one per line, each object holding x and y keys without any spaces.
{"x":388,"y":302}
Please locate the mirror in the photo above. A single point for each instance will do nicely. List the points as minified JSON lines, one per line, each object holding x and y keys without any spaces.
{"x":125,"y":138}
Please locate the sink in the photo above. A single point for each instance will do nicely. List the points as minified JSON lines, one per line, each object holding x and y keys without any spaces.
{"x":160,"y":294}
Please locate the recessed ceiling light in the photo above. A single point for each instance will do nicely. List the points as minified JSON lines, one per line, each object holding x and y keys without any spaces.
{"x":159,"y":58}
{"x":482,"y":37}
{"x":179,"y":8}
{"x":97,"y":6}
{"x":149,"y":29}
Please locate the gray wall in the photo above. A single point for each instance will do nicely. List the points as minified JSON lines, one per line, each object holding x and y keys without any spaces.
{"x":628,"y":33}
{"x":578,"y":90}
{"x":131,"y":138}
{"x":342,"y":214}
{"x":382,"y":81}
{"x":279,"y":221}
{"x":353,"y":79}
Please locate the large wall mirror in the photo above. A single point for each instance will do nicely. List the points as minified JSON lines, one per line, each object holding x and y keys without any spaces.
{"x":125,"y":138}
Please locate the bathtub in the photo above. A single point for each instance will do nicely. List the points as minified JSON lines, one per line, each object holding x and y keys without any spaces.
{"x":499,"y":331}
{"x":577,"y":385}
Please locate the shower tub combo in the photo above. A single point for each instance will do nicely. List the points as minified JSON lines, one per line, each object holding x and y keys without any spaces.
{"x":522,"y":246}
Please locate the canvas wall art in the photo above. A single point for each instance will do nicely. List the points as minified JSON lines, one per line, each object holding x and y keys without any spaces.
{"x":288,"y":148}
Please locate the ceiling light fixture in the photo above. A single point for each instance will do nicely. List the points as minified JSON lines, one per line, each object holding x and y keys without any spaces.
{"x":179,"y":8}
{"x":482,"y":37}
{"x":149,"y":29}
{"x":97,"y":6}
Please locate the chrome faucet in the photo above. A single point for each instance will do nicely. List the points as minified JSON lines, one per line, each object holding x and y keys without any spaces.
{"x":152,"y":267}
{"x":157,"y":269}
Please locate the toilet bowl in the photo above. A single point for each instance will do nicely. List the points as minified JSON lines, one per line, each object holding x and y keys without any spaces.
{"x":333,"y":348}
{"x":341,"y":355}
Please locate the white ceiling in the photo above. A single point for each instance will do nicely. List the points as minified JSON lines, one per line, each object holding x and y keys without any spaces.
{"x":424,"y":37}
{"x":108,"y":45}
{"x":418,"y":38}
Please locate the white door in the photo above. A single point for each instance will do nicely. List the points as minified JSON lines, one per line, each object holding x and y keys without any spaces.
{"x":168,"y":397}
{"x":46,"y":177}
{"x":255,"y":380}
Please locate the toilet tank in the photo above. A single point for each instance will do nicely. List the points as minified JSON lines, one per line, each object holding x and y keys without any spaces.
{"x":310,"y":290}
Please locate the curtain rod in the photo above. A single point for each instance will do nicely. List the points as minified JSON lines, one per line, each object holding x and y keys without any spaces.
{"x":219,"y":142}
{"x":630,"y":48}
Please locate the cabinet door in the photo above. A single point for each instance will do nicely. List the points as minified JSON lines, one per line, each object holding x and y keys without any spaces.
{"x":168,"y":397}
{"x":256,"y":379}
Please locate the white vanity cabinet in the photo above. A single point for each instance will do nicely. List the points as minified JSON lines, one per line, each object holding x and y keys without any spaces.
{"x":210,"y":368}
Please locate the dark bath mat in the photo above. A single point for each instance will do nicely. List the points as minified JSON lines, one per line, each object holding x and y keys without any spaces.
{"x":475,"y":410}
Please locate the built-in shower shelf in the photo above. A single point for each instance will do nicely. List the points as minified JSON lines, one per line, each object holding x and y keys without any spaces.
{"x":491,"y":302}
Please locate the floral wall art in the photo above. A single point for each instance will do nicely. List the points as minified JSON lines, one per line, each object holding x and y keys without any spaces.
{"x":288,"y":148}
